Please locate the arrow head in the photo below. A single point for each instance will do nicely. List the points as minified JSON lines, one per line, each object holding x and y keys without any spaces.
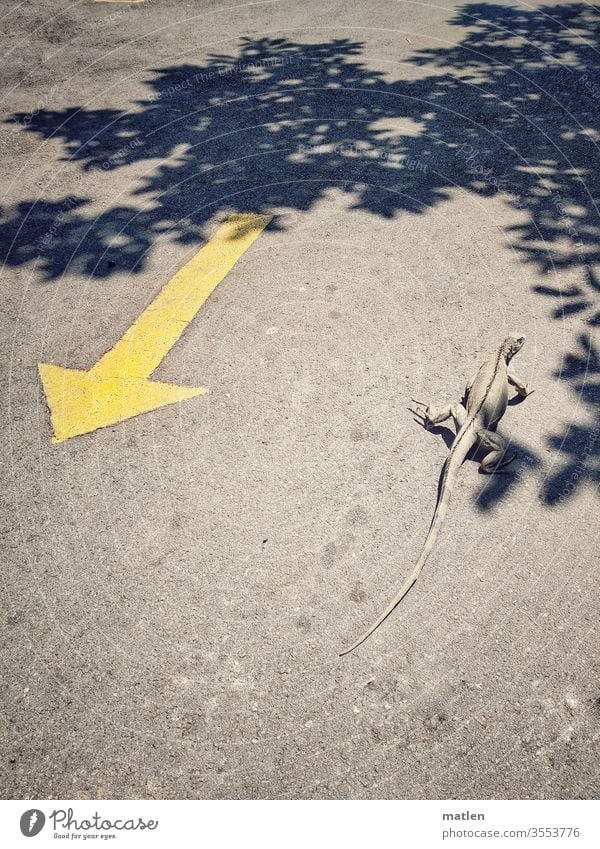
{"x":82,"y":401}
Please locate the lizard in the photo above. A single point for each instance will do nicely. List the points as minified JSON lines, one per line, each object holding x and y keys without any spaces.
{"x":476,"y":418}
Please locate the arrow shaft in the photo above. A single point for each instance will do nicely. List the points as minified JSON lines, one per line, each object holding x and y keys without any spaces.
{"x":149,"y":339}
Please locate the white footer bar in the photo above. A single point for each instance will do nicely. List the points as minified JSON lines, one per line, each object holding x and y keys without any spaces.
{"x":308,"y":824}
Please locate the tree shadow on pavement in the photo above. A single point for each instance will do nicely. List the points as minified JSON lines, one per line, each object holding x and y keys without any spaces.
{"x":578,"y":446}
{"x":512,"y":110}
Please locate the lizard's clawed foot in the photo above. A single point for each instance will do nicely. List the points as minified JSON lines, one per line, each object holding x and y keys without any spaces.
{"x":495,"y":468}
{"x":525,"y":391}
{"x":421,"y":412}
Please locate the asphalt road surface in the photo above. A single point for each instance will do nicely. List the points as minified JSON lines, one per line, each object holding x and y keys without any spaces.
{"x":177,"y":584}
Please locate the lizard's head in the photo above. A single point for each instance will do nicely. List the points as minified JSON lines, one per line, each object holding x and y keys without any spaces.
{"x":511,"y":346}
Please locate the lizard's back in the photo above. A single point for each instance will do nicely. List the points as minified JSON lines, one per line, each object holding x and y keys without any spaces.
{"x":488,"y":396}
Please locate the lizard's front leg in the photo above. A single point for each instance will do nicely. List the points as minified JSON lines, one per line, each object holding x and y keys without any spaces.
{"x":437,"y":415}
{"x":497,"y":455}
{"x":520,"y":385}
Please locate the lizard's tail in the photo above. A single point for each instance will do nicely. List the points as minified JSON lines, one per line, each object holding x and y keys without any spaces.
{"x":462,"y":445}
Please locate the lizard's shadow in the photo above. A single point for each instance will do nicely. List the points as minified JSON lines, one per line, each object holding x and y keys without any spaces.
{"x":439,"y":430}
{"x":448,"y":436}
{"x":498,"y":485}
{"x":516,"y":400}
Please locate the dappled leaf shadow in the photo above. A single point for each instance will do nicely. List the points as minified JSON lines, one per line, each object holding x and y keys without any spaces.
{"x":578,"y":446}
{"x":281,"y":122}
{"x":512,"y":110}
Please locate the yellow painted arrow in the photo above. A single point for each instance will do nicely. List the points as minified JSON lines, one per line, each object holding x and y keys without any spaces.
{"x":117,"y":386}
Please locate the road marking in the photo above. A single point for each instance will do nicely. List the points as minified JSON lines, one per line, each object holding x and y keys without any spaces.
{"x":117,"y":386}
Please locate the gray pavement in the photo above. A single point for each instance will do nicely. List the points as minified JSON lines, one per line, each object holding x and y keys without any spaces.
{"x":177,"y":586}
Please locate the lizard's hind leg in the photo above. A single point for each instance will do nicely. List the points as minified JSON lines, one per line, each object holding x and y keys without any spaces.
{"x":437,"y":415}
{"x":498,"y":455}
